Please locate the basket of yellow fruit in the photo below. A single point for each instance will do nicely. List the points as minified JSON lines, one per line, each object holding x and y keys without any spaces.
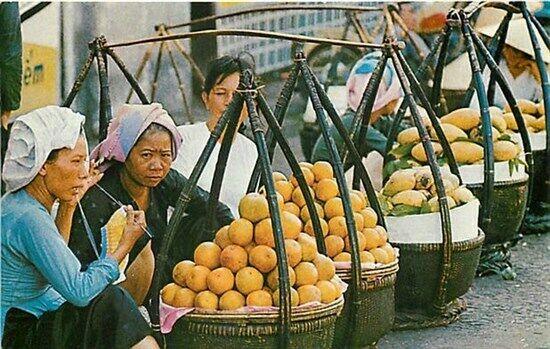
{"x":462,"y":128}
{"x":229,"y":294}
{"x":536,"y":219}
{"x":374,"y":313}
{"x":410,"y":200}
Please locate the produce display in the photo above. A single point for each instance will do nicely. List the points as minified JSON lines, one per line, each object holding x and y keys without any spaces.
{"x":239,"y":268}
{"x":462,"y":129}
{"x":412,"y":191}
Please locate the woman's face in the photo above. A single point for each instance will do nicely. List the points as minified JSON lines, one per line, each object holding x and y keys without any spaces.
{"x":219,"y":97}
{"x":150,"y":159}
{"x":65,"y":176}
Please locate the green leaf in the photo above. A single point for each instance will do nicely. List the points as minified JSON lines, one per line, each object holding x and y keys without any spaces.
{"x":425,"y":208}
{"x":469,"y":140}
{"x":394,"y":166}
{"x":505,"y":137}
{"x":511,"y":166}
{"x":402,"y":150}
{"x":404,"y":210}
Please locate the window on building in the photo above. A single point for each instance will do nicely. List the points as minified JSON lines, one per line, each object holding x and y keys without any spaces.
{"x":262,"y":25}
{"x":272,"y":25}
{"x":311,"y":19}
{"x":271,"y":59}
{"x":280,"y":55}
{"x":329,"y":15}
{"x":320,"y":18}
{"x":282,"y":23}
{"x":261,"y":62}
{"x":302,"y":21}
{"x":337,"y":14}
{"x":293,"y":22}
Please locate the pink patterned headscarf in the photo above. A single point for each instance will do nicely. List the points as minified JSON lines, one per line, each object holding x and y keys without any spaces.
{"x":130,"y":122}
{"x":359,"y":77}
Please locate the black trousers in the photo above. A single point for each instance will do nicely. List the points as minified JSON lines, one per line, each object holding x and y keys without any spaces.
{"x":111,"y":320}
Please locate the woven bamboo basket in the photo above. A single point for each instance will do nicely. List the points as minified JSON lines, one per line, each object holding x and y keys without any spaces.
{"x":310,"y":328}
{"x":509,"y":204}
{"x":418,"y":277}
{"x":377,"y":308}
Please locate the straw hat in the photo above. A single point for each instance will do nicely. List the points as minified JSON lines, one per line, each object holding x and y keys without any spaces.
{"x":457,"y":74}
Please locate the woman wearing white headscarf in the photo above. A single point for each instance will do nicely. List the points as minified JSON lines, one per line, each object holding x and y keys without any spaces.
{"x":46,"y":300}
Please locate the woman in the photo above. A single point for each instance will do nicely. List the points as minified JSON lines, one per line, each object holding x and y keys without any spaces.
{"x":220,"y":85}
{"x":47,"y":301}
{"x":385,"y":103}
{"x":135,"y":157}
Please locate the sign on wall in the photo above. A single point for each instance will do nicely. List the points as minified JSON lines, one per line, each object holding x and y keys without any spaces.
{"x":39,"y":80}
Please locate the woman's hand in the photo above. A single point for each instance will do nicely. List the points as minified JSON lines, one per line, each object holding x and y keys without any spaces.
{"x":134,"y":229}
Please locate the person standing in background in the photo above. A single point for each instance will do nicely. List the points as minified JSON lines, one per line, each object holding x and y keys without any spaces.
{"x":11,"y":67}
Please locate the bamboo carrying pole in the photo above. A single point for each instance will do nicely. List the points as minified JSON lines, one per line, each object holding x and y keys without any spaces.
{"x":282,"y":263}
{"x":79,"y":80}
{"x":342,"y":186}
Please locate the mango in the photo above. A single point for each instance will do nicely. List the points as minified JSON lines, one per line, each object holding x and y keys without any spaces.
{"x":505,"y":150}
{"x":526,"y":106}
{"x":467,"y":152}
{"x":399,"y":181}
{"x":450,"y":131}
{"x":464,"y":118}
{"x":418,"y":151}
{"x":409,"y":197}
{"x":408,"y":136}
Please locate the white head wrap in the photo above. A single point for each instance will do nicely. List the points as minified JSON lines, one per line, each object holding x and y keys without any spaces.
{"x":33,"y":137}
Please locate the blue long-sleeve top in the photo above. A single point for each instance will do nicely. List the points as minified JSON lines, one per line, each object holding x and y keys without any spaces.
{"x":39,"y":271}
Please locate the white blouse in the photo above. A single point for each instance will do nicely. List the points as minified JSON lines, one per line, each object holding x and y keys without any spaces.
{"x":240,"y":164}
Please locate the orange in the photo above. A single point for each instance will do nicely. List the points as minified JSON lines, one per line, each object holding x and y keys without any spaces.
{"x":334,"y":245}
{"x":298,"y":197}
{"x":208,"y":255}
{"x":308,"y":175}
{"x":231,"y":300}
{"x":293,"y":251}
{"x":334,"y":207}
{"x":306,"y":274}
{"x":206,"y":300}
{"x":241,"y":232}
{"x":263,"y":258}
{"x":234,"y":258}
{"x":254,"y":207}
{"x":360,"y":239}
{"x":337,"y":226}
{"x":322,"y":170}
{"x":304,"y":214}
{"x":285,"y":189}
{"x":179,"y":273}
{"x":248,"y":280}
{"x":308,"y":294}
{"x":292,"y":208}
{"x":220,"y":280}
{"x":326,"y":189}
{"x":196,"y":278}
{"x":308,"y":228}
{"x":371,"y":238}
{"x":222,"y":237}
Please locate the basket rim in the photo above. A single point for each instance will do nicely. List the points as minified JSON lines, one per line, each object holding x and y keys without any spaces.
{"x":379,"y":271}
{"x":457,"y":245}
{"x":522,"y":180}
{"x":320,"y":310}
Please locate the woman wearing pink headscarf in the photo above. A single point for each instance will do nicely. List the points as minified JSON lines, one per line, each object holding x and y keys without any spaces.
{"x":136,"y":156}
{"x":389,"y":92}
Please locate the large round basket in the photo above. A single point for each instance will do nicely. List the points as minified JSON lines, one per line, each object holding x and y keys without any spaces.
{"x":418,"y":277}
{"x":376,"y":309}
{"x":509,"y":204}
{"x":310,"y":328}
